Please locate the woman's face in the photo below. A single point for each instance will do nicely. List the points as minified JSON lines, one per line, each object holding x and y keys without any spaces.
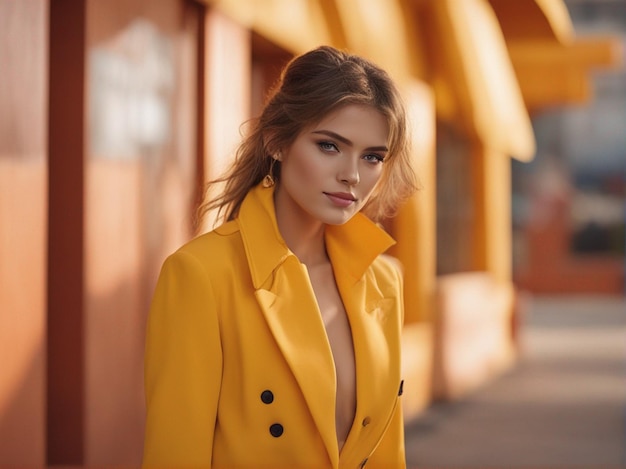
{"x":331,"y":169}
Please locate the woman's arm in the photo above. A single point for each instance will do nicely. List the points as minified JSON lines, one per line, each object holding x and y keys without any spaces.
{"x":183,"y":367}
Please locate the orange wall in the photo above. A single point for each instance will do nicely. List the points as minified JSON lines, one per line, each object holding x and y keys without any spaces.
{"x":22,"y":310}
{"x":141,"y":155}
{"x":23,"y":173}
{"x":88,"y":214}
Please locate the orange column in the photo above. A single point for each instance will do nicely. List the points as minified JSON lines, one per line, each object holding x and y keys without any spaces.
{"x":414,"y":229}
{"x":492,"y":248}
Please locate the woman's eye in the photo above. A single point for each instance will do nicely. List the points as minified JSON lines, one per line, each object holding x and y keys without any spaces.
{"x":328,"y":146}
{"x":374,"y":158}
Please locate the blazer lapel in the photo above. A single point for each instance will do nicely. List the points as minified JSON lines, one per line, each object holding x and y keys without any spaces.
{"x":367,"y":309}
{"x":284,"y":293}
{"x":352,"y":249}
{"x":290,"y":309}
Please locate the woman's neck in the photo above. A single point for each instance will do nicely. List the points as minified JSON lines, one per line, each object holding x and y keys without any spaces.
{"x":303,"y":235}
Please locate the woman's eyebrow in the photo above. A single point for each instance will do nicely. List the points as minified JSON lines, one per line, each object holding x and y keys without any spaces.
{"x":348,"y":142}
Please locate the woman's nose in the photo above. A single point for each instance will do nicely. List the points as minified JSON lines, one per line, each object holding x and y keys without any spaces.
{"x":349,"y":172}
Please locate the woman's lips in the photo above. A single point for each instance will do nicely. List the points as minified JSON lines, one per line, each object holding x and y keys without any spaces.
{"x":340,"y":199}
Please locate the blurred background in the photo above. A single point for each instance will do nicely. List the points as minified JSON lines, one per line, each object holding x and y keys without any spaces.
{"x":114,"y":114}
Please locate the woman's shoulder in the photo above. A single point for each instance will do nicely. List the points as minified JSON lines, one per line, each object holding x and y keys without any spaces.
{"x":214,"y":245}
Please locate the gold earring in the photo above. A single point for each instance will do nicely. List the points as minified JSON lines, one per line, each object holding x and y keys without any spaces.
{"x":268,"y":180}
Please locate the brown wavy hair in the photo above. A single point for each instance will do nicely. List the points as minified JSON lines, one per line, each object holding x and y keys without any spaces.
{"x":311,"y":86}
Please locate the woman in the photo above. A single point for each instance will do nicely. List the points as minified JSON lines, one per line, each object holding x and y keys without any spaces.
{"x":274,"y":340}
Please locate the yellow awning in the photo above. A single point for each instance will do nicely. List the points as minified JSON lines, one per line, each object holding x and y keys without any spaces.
{"x":473,"y":77}
{"x":551,"y":64}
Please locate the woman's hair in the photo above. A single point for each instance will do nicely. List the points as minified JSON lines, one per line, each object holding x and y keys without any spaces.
{"x":311,"y":86}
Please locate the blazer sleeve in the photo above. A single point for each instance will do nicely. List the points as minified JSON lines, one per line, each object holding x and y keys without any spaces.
{"x":183,"y":367}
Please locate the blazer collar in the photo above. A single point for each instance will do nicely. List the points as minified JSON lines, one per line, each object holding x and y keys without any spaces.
{"x":352,"y":246}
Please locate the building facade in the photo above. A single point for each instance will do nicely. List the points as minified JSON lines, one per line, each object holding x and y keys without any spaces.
{"x":114,"y":113}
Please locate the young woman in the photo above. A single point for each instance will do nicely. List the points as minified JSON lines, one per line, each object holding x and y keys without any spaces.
{"x":274,"y":340}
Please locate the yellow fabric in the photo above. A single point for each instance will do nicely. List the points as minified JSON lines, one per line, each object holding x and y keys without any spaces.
{"x":234,"y":315}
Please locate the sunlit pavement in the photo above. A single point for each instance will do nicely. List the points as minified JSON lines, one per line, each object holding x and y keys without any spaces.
{"x":561,"y":406}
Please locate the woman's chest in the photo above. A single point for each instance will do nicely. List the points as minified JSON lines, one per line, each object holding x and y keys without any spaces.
{"x":339,"y":334}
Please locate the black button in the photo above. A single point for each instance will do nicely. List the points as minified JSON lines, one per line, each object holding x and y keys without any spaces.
{"x":276,"y":430}
{"x":400,"y":391}
{"x":366,"y":421}
{"x":267,"y":397}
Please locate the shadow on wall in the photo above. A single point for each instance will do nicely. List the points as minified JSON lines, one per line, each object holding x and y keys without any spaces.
{"x":115,"y":407}
{"x":22,"y":415}
{"x":114,"y":412}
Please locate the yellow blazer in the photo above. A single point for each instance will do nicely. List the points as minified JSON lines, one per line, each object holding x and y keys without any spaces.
{"x":238,"y":367}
